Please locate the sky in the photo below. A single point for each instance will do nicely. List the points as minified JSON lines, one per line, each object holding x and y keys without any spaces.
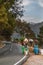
{"x":33,"y":11}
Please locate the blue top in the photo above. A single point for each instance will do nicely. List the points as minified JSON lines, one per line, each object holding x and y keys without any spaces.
{"x":35,"y":46}
{"x":36,"y":49}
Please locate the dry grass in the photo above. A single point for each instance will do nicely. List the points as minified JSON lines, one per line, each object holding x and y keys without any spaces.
{"x":2,"y":45}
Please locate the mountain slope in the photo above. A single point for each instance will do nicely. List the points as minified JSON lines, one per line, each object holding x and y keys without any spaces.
{"x":36,"y":28}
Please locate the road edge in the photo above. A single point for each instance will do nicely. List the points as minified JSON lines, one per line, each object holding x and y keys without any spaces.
{"x":22,"y":60}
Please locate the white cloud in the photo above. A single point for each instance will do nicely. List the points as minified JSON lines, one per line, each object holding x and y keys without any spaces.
{"x":41,"y":3}
{"x":26,"y":2}
{"x":30,"y":19}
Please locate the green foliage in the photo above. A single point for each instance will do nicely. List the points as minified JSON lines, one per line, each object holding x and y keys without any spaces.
{"x":22,"y":38}
{"x":8,"y":3}
{"x":11,"y":20}
{"x":41,"y":30}
{"x":3,"y":14}
{"x":3,"y":18}
{"x":17,"y":9}
{"x":40,"y":36}
{"x":24,"y":29}
{"x":0,"y":1}
{"x":7,"y":19}
{"x":6,"y":28}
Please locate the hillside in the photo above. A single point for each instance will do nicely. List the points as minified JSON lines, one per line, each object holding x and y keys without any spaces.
{"x":36,"y":27}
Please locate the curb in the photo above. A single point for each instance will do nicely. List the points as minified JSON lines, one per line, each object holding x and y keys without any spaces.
{"x":21,"y":61}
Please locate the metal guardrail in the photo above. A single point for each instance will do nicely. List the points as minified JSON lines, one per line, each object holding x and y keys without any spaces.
{"x":9,"y":42}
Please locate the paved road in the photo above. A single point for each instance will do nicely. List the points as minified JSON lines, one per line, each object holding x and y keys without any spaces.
{"x":10,"y":60}
{"x":12,"y":56}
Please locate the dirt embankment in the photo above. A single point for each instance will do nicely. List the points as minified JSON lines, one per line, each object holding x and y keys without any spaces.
{"x":34,"y":60}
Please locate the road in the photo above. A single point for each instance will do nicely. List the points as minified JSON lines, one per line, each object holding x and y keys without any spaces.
{"x":12,"y":56}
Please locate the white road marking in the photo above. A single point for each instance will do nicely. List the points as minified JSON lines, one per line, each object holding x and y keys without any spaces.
{"x":20,"y":60}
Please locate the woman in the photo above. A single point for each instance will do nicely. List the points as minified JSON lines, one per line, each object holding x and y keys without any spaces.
{"x":36,"y":49}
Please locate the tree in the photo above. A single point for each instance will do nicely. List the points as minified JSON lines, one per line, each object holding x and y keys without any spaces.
{"x":23,"y":28}
{"x":40,"y":36}
{"x":17,"y":8}
{"x":8,"y":17}
{"x":5,"y":28}
{"x":41,"y":30}
{"x":3,"y":18}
